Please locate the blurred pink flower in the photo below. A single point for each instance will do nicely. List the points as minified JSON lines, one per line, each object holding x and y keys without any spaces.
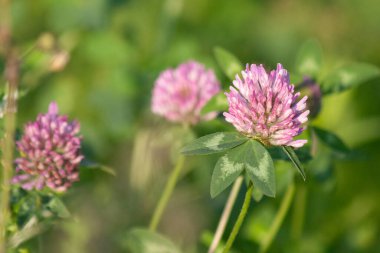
{"x":180,"y":94}
{"x":263,"y":106}
{"x":313,"y":91}
{"x":50,"y":153}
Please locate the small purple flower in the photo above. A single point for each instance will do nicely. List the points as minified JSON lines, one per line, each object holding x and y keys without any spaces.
{"x":312,"y":90}
{"x":180,"y":94}
{"x":263,"y":106}
{"x":50,"y":152}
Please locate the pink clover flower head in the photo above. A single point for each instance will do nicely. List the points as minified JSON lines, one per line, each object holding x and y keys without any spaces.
{"x":49,"y":153}
{"x":264,"y":106}
{"x":180,"y":94}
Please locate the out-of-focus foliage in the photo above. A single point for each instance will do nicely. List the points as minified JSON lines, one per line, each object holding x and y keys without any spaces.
{"x":115,"y":49}
{"x":143,"y":240}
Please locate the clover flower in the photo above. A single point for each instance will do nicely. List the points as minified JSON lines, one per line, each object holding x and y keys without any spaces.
{"x":313,"y":91}
{"x":180,"y":94}
{"x":50,"y":153}
{"x":264,"y":106}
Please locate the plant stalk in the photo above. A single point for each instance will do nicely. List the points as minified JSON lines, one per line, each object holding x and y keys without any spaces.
{"x":169,"y":187}
{"x":240,"y":219}
{"x":8,"y":145}
{"x":278,"y":220}
{"x":226,"y":214}
{"x":11,"y":76}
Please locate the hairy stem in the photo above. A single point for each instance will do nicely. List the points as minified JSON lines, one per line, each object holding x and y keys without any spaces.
{"x":278,"y":220}
{"x":226,"y":214}
{"x":8,"y":144}
{"x":169,"y":187}
{"x":240,"y":219}
{"x":11,"y":75}
{"x":5,"y":26}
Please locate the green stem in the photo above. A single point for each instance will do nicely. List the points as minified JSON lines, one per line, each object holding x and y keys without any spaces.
{"x":278,"y":220}
{"x":5,"y":38}
{"x":240,"y":219}
{"x":226,"y":214}
{"x":8,"y":145}
{"x":11,"y":74}
{"x":5,"y":26}
{"x":173,"y":178}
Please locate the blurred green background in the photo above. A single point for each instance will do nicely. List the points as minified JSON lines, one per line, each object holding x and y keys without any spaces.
{"x":116,"y":50}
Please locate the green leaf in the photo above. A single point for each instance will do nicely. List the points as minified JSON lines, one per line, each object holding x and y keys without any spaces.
{"x":294,"y":158}
{"x":59,"y":208}
{"x":31,"y":229}
{"x":331,"y":140}
{"x":257,"y":194}
{"x":144,"y":241}
{"x":322,"y":166}
{"x":217,"y":103}
{"x":227,"y":169}
{"x":303,"y":154}
{"x":89,"y":165}
{"x":309,"y":59}
{"x":260,"y":168}
{"x":349,"y":76}
{"x":251,"y":157}
{"x":229,"y":63}
{"x":213,"y":143}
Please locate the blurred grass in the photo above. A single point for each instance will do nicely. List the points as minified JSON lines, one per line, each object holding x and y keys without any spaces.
{"x":117,"y":48}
